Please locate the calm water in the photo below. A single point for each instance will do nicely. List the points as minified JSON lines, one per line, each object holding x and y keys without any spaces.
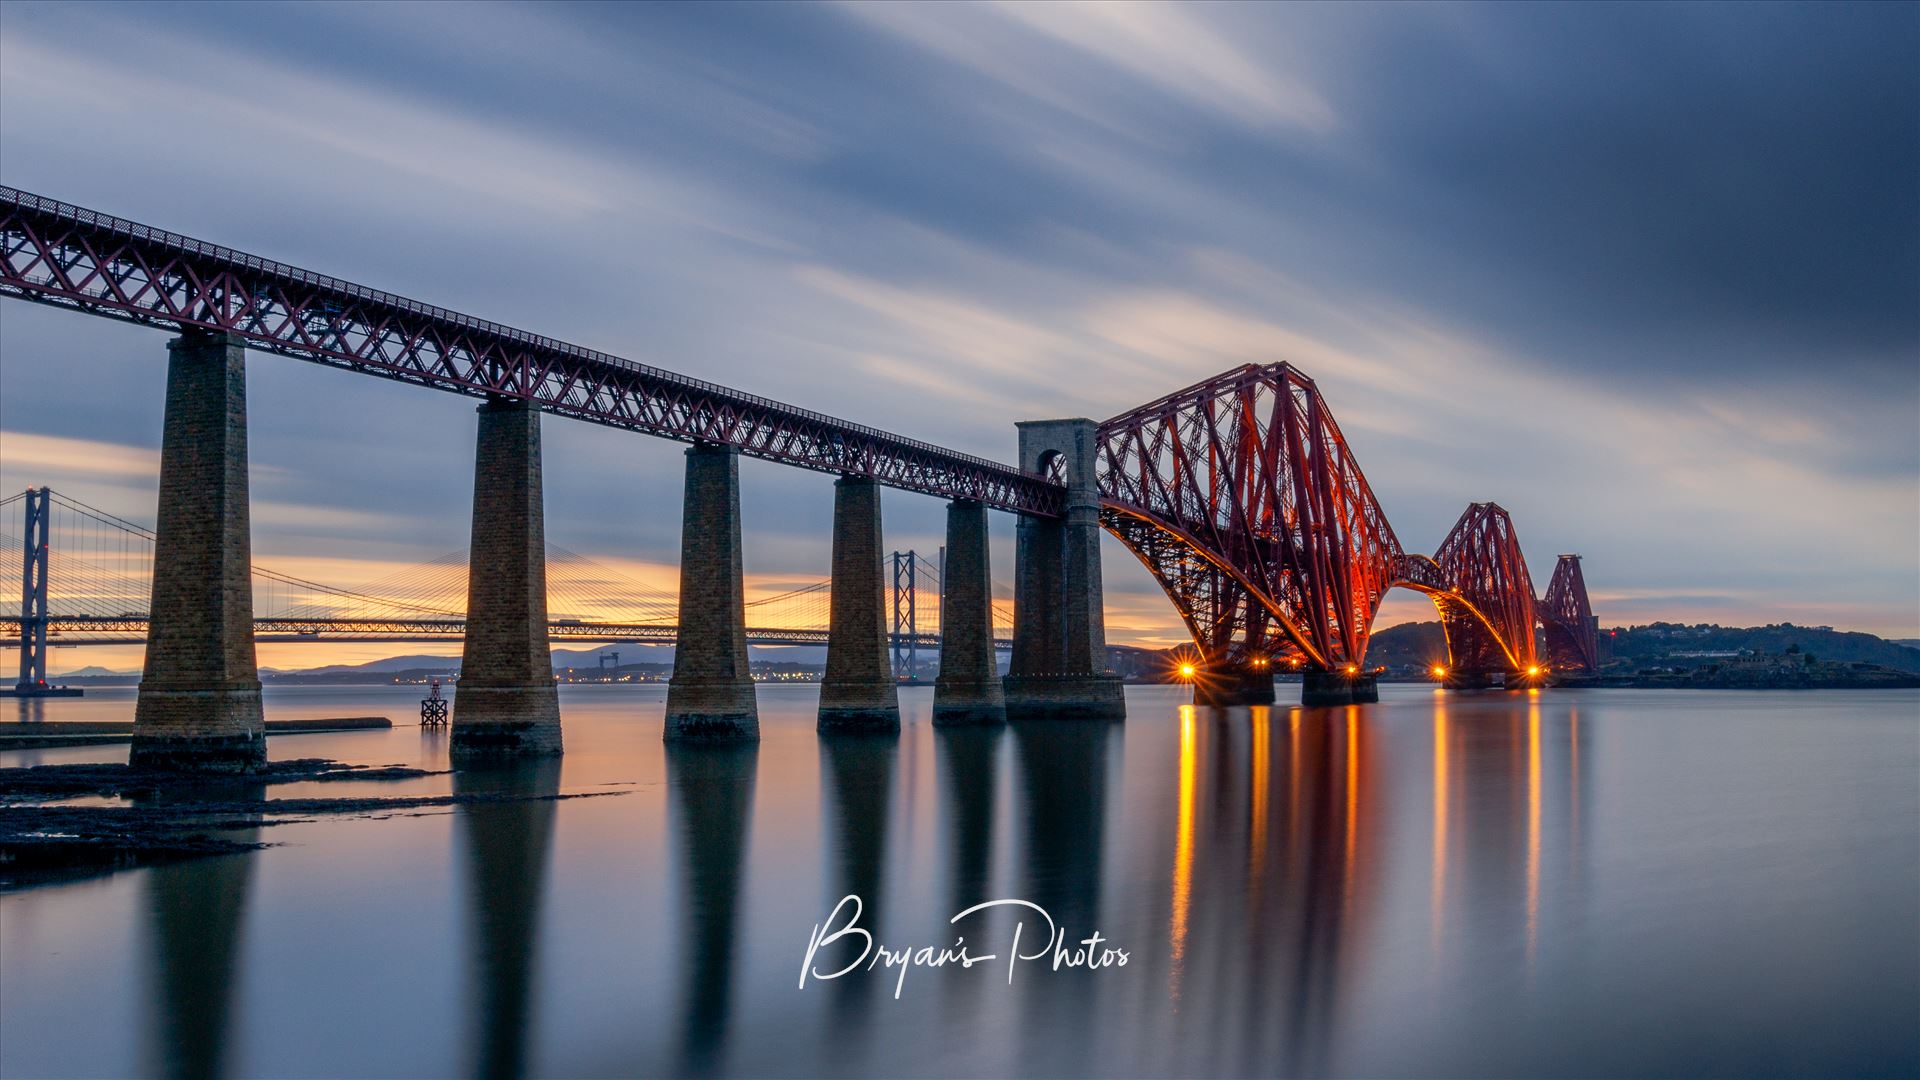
{"x":1582,"y":882}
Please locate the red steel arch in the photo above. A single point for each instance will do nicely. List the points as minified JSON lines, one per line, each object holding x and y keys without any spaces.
{"x":1243,"y":499}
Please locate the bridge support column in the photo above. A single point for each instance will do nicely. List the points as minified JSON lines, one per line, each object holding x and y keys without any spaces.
{"x":1060,"y":637}
{"x":1338,"y":688}
{"x":858,"y":694}
{"x":968,"y":690}
{"x":506,"y":702}
{"x":199,"y":700}
{"x":1366,"y":689}
{"x":710,"y":697}
{"x":1236,"y":683}
{"x":1326,"y":688}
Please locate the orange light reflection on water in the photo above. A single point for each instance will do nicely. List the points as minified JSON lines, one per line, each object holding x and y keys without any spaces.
{"x":1353,"y":799}
{"x":1533,"y":822}
{"x":1439,"y":815}
{"x":1257,"y":834}
{"x":1183,"y":848}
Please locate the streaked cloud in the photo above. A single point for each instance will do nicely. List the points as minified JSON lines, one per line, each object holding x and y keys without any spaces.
{"x":1166,"y":45}
{"x":1671,"y":321}
{"x":46,"y":459}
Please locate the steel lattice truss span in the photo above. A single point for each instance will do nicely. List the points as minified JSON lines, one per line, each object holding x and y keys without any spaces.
{"x":1243,"y":499}
{"x":56,"y":253}
{"x":1572,"y":633}
{"x":1485,"y":593}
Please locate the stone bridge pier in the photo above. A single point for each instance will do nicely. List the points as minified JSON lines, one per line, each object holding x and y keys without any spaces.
{"x":199,"y":700}
{"x":968,"y":689}
{"x":858,"y":694}
{"x":506,"y":702}
{"x":711,"y":695}
{"x":1059,"y":666}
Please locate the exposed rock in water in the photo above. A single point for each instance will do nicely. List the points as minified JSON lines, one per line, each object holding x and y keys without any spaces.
{"x":70,"y":781}
{"x":176,"y":815}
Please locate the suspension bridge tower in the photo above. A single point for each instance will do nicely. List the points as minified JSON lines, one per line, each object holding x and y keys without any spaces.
{"x":38,"y":503}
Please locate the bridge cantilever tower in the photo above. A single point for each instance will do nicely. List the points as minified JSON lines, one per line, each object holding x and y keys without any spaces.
{"x":1243,"y":499}
{"x":1572,"y":632}
{"x":1245,"y":502}
{"x":1478,"y":579}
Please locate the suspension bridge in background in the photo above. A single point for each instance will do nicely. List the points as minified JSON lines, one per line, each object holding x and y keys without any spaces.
{"x":88,"y":580}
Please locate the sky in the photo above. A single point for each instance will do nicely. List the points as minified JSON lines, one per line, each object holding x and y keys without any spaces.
{"x":1646,"y":275}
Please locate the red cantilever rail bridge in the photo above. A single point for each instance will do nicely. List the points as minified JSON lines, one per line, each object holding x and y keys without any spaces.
{"x":1243,"y":499}
{"x":1238,"y":493}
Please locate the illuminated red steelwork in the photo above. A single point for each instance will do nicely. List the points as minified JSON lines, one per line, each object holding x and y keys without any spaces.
{"x":1478,"y":579}
{"x":1242,"y":498}
{"x":1572,"y":633}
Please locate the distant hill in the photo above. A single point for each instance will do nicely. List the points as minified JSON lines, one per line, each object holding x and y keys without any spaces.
{"x":1420,"y":644}
{"x":633,"y":658}
{"x":1415,"y":645}
{"x":382,"y":667}
{"x":1673,"y":642}
{"x":92,"y":671}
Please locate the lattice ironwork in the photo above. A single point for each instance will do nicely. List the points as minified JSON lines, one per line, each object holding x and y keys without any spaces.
{"x":68,"y":256}
{"x":1487,"y":604}
{"x":1243,"y":499}
{"x":1572,"y":633}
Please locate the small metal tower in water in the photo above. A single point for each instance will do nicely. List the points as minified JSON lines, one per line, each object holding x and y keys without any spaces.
{"x":433,"y":707}
{"x":33,"y":593}
{"x":904,"y":643}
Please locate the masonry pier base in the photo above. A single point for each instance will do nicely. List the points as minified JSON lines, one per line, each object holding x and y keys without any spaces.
{"x":1065,"y":697}
{"x":1235,"y":684}
{"x":1338,"y":688}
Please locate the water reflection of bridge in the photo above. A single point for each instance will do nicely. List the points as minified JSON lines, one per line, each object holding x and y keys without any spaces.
{"x":1304,"y":857}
